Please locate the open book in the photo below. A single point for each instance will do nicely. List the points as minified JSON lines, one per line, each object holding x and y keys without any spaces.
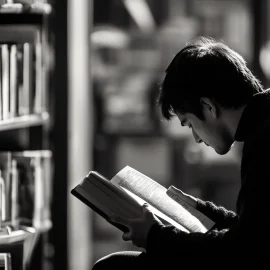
{"x":128,"y":190}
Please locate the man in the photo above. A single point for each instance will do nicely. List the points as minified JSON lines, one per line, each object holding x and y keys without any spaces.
{"x":210,"y":89}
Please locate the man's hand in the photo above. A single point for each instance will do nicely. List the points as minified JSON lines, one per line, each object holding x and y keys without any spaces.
{"x":192,"y":201}
{"x":138,"y":227}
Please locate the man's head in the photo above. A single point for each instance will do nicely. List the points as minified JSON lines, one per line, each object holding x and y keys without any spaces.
{"x":206,"y":86}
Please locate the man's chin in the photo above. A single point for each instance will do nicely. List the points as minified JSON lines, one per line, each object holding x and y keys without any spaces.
{"x":222,"y":151}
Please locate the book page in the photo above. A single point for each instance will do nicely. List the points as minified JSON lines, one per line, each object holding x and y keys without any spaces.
{"x":173,"y":193}
{"x":162,"y":216}
{"x":155,"y":195}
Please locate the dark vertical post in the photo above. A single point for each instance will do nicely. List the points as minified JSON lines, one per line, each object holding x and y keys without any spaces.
{"x":59,"y":136}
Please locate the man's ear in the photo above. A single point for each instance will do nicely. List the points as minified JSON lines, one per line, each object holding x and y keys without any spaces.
{"x":209,"y":106}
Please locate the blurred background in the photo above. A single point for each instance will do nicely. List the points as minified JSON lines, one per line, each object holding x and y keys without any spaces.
{"x":132,"y":42}
{"x":101,"y":65}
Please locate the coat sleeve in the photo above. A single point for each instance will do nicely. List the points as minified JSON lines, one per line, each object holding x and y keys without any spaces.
{"x":246,"y":239}
{"x":221,"y":216}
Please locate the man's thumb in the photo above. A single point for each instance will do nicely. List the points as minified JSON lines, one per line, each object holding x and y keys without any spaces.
{"x":145,"y":206}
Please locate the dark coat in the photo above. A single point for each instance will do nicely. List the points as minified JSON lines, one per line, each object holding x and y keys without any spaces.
{"x":241,"y":238}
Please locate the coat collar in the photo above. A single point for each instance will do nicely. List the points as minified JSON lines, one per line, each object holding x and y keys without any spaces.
{"x":256,"y":112}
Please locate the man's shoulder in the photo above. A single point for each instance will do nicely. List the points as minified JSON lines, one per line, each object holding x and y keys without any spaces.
{"x":263,"y":131}
{"x":259,"y":139}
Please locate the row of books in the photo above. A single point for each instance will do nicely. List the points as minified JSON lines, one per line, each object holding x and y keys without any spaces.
{"x":22,"y":80}
{"x":25,"y":189}
{"x":10,"y":6}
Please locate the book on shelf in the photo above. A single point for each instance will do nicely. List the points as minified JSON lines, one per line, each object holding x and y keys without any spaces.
{"x":38,"y":106}
{"x":28,"y":83}
{"x":14,"y":83}
{"x":22,"y":81}
{"x":128,"y":190}
{"x":1,"y":86}
{"x":5,"y":61}
{"x":25,"y":189}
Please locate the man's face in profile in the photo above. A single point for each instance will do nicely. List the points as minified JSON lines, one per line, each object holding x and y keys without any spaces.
{"x":210,"y":131}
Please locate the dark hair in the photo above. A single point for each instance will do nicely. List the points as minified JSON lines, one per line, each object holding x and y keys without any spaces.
{"x":206,"y":68}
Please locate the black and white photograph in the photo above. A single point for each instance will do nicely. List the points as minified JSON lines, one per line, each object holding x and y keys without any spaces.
{"x":134,"y":134}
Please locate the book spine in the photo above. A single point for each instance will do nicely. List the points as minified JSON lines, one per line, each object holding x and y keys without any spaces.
{"x":14,"y":195}
{"x":39,"y":195}
{"x":1,"y":88}
{"x":39,"y":78}
{"x":45,"y":77}
{"x":5,"y":165}
{"x":27,"y":88}
{"x":2,"y":199}
{"x":47,"y":176}
{"x":13,"y":81}
{"x":19,"y":88}
{"x":5,"y":80}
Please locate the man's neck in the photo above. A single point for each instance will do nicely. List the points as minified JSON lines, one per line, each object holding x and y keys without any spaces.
{"x":232,"y":119}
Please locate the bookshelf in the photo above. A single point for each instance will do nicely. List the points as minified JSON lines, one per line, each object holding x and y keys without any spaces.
{"x":24,"y":121}
{"x":27,"y":118}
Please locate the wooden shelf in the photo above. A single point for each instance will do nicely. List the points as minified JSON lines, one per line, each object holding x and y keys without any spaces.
{"x":24,"y":121}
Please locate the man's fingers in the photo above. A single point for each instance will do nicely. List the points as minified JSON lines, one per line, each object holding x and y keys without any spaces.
{"x":147,"y":210}
{"x":185,"y":197}
{"x":145,"y":207}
